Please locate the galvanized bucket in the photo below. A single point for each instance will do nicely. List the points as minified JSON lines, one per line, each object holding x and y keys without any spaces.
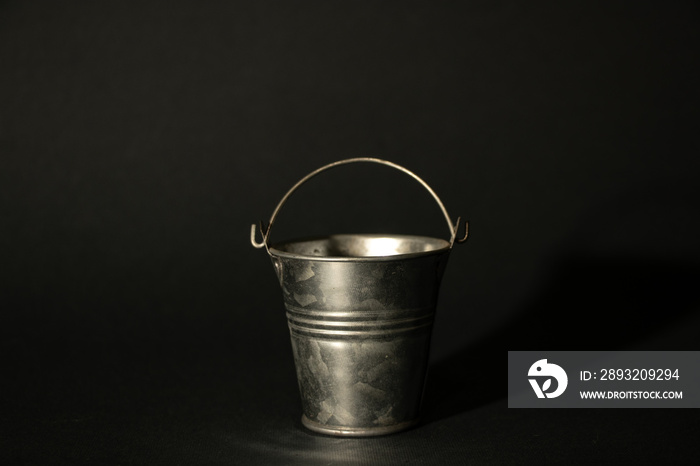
{"x":360,"y":311}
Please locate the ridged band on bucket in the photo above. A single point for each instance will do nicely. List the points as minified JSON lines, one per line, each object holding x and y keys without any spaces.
{"x":360,"y":311}
{"x":362,"y":324}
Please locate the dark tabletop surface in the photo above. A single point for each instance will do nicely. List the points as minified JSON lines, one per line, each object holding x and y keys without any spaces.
{"x":139,"y":141}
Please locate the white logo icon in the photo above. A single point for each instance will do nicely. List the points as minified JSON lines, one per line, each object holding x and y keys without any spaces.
{"x":543,"y":369}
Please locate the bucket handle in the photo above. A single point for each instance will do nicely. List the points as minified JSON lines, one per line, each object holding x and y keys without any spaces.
{"x":265,"y":231}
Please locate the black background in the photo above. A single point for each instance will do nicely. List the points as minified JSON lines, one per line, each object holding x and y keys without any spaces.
{"x":139,"y":141}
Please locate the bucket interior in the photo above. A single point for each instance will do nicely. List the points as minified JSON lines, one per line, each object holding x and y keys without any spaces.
{"x":361,"y":246}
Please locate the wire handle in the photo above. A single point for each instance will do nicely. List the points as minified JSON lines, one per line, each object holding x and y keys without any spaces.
{"x":265,"y":230}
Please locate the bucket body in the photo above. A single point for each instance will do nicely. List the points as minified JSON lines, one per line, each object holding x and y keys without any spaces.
{"x":360,"y":310}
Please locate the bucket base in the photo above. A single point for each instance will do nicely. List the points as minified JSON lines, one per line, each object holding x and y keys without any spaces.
{"x":356,"y":431}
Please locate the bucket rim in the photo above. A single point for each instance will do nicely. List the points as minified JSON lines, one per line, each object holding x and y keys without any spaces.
{"x":275,"y":251}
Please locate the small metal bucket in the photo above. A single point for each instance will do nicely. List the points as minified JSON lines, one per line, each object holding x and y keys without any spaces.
{"x":360,"y":311}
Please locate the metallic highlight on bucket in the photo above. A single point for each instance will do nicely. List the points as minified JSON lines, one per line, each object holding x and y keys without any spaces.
{"x":360,"y":310}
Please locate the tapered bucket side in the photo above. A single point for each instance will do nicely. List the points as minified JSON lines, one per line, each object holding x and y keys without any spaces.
{"x":360,"y":329}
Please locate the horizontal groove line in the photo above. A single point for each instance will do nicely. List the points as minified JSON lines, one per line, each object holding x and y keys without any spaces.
{"x":316,"y":331}
{"x":356,"y":323}
{"x":315,"y":312}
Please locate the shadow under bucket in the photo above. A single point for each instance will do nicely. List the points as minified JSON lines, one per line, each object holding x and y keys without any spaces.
{"x":360,"y":310}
